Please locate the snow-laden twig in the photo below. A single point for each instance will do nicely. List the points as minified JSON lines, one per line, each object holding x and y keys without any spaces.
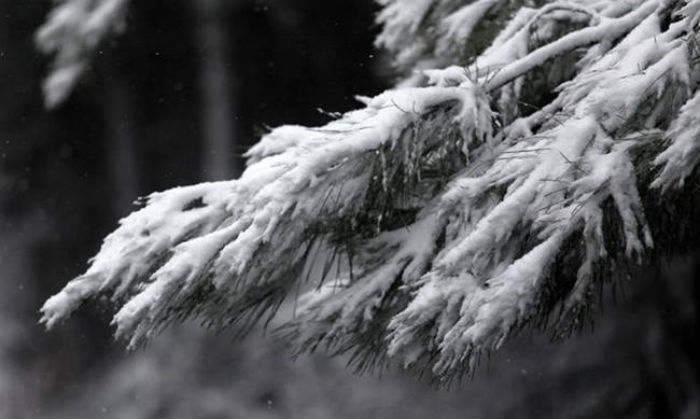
{"x":72,"y":32}
{"x":431,"y":224}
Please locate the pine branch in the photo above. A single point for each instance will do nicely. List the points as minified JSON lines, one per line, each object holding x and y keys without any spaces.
{"x":72,"y":32}
{"x":449,"y":213}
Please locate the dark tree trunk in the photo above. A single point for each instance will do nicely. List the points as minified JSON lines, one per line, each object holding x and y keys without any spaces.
{"x":120,"y":137}
{"x":215,"y":81}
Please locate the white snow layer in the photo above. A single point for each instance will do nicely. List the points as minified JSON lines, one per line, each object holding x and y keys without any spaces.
{"x":476,"y":255}
{"x":72,"y":32}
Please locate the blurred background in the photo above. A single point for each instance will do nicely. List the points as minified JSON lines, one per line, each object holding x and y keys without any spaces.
{"x":176,"y":99}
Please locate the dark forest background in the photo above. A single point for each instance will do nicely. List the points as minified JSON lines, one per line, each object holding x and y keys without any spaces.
{"x":176,"y":99}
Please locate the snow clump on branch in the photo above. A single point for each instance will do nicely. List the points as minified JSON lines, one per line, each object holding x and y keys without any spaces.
{"x":447,"y":213}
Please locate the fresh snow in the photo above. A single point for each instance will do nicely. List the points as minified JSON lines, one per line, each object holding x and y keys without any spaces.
{"x":493,"y":189}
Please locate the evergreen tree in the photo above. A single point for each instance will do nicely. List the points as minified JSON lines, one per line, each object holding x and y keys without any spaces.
{"x":532,"y":150}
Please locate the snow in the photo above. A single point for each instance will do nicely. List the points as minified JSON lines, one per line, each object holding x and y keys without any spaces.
{"x":401,"y":20}
{"x":692,"y":13}
{"x":607,"y":29}
{"x":72,"y":32}
{"x":681,"y":158}
{"x":478,"y":245}
{"x":458,"y":26}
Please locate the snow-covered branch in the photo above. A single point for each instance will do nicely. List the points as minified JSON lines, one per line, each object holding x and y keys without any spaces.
{"x":434,"y":222}
{"x":72,"y":32}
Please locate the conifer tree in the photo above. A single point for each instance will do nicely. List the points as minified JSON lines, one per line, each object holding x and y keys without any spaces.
{"x":530,"y":151}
